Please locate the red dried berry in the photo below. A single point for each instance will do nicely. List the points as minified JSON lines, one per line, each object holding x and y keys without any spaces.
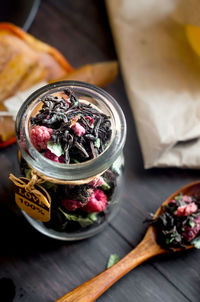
{"x":97,"y":202}
{"x":78,"y":129}
{"x":186,"y":198}
{"x":191,"y":232}
{"x":48,"y":154}
{"x":40,"y":135}
{"x":186,"y":210}
{"x":71,"y":205}
{"x":67,"y":100}
{"x":61,"y":159}
{"x":90,"y":119}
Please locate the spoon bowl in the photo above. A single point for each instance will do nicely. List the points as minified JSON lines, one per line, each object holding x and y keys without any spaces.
{"x":147,"y":248}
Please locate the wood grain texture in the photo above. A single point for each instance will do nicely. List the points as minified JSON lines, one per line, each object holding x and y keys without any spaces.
{"x":44,"y":270}
{"x":95,"y":287}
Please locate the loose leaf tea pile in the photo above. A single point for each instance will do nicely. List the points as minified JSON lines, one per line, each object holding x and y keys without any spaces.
{"x":69,"y":131}
{"x":178,"y":225}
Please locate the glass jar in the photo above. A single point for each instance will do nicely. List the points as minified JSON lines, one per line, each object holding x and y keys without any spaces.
{"x":101,"y":175}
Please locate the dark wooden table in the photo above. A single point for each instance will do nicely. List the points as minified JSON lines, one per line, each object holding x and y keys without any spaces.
{"x":43,"y":269}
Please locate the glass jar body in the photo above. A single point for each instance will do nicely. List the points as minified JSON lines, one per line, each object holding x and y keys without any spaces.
{"x":84,"y":196}
{"x":71,"y":217}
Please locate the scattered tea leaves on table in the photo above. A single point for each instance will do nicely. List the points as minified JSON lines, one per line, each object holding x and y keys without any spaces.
{"x":113,"y":259}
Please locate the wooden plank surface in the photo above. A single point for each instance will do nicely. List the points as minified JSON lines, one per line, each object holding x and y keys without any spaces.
{"x":44,"y":269}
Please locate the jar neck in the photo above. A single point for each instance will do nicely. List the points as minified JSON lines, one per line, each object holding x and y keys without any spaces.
{"x":99,"y":98}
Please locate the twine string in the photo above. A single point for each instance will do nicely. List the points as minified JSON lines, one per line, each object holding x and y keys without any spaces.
{"x":30,"y":186}
{"x":65,"y":182}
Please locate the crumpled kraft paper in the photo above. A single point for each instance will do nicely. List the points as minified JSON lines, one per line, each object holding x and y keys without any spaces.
{"x":162,"y":78}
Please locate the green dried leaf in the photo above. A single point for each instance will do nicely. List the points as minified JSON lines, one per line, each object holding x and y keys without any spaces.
{"x":178,"y":197}
{"x":97,"y":143}
{"x":113,"y":259}
{"x":55,"y":148}
{"x":191,"y":223}
{"x":83,"y":221}
{"x":105,"y":186}
{"x":196,"y":243}
{"x":76,"y":161}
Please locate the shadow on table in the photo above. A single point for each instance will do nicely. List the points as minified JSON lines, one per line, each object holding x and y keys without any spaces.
{"x":17,"y":236}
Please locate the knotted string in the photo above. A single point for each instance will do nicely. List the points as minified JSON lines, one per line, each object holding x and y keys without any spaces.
{"x":30,"y":186}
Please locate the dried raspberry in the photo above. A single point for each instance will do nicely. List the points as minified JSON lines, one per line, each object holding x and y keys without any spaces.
{"x":97,"y":182}
{"x":48,"y":154}
{"x":90,"y":119}
{"x":72,"y":205}
{"x":186,"y":198}
{"x":189,"y":232}
{"x":61,"y":159}
{"x":40,"y":135}
{"x":97,"y":202}
{"x":186,"y":210}
{"x":67,"y":99}
{"x":78,"y":129}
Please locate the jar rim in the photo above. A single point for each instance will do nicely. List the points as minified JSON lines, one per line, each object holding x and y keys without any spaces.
{"x":81,"y":170}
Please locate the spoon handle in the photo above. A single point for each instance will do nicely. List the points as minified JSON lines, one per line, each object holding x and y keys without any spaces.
{"x":95,"y":287}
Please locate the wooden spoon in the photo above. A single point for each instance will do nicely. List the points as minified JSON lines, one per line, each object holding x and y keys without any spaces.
{"x":147,"y":248}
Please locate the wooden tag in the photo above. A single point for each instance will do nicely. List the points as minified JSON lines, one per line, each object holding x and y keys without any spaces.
{"x":36,"y":203}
